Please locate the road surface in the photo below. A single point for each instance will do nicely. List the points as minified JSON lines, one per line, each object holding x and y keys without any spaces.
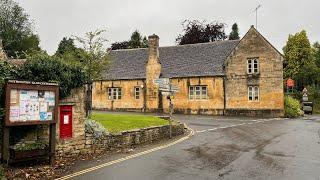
{"x":251,"y":149}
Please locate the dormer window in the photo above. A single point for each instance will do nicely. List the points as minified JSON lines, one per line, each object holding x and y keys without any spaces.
{"x":253,"y":66}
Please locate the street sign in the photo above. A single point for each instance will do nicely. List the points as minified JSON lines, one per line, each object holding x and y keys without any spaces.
{"x":161,"y":81}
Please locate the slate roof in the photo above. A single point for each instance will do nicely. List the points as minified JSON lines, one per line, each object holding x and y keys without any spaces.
{"x":193,"y":60}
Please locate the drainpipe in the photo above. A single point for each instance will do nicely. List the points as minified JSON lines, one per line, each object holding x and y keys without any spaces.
{"x":144,"y":109}
{"x":224,"y":95}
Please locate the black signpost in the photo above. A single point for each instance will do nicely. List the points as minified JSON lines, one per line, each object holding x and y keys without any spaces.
{"x":165,"y":86}
{"x":30,"y":103}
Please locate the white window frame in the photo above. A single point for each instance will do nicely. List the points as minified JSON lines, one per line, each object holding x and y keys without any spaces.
{"x":114,"y":93}
{"x":198,"y":92}
{"x":137,"y":92}
{"x":253,"y":93}
{"x":251,"y":63}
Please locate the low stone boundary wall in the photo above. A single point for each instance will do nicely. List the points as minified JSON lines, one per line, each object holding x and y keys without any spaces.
{"x":98,"y":143}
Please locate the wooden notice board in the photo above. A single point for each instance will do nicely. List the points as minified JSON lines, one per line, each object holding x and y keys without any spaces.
{"x":30,"y":103}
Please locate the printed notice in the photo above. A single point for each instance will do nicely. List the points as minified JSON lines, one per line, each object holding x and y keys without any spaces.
{"x":43,"y":116}
{"x":24,"y":95}
{"x":49,"y":114}
{"x":65,"y":119}
{"x":43,"y":106}
{"x":13,"y":96}
{"x":14,"y":113}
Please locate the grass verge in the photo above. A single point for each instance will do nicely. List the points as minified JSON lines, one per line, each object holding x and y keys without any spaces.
{"x":115,"y":123}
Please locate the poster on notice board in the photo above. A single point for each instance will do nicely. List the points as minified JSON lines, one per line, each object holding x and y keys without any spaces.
{"x":31,"y":105}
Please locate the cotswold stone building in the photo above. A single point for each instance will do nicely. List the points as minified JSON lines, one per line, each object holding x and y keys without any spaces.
{"x":238,"y":77}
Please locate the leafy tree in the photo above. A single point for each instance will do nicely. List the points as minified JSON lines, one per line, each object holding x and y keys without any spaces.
{"x":136,"y":41}
{"x":316,"y":49}
{"x":297,"y":52}
{"x":16,"y":30}
{"x":120,"y":45}
{"x":308,"y":75}
{"x":66,"y":45}
{"x":96,"y":60}
{"x":200,"y":32}
{"x":234,"y":34}
{"x":44,"y":68}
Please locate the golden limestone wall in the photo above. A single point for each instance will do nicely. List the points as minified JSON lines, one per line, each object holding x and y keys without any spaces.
{"x":127,"y":102}
{"x":182,"y":104}
{"x":269,"y":79}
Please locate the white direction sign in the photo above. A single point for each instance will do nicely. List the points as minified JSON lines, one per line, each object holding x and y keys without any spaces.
{"x":161,"y":81}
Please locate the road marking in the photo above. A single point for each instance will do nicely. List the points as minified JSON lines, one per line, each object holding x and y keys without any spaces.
{"x":127,"y":157}
{"x":235,"y":125}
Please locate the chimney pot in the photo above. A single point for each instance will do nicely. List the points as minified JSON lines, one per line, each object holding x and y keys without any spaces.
{"x":153,"y":43}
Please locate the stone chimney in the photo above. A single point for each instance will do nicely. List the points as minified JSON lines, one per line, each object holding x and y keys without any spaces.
{"x":153,"y":71}
{"x":153,"y":43}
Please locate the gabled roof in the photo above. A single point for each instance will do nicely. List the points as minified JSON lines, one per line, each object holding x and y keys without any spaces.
{"x":193,"y":60}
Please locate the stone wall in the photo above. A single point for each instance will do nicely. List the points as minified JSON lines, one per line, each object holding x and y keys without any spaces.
{"x":100,"y":99}
{"x":98,"y":143}
{"x":269,"y":79}
{"x":214,"y":104}
{"x":75,"y":144}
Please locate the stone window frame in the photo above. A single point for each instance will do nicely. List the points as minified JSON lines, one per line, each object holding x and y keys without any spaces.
{"x":253,"y":93}
{"x":253,"y":65}
{"x":114,"y":93}
{"x":137,"y":92}
{"x":198,"y":92}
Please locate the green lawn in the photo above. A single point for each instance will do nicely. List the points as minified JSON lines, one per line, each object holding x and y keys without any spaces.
{"x":121,"y":122}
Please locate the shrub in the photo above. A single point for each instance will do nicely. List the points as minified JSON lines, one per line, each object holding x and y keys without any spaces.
{"x":44,"y":68}
{"x":292,"y":107}
{"x":6,"y":71}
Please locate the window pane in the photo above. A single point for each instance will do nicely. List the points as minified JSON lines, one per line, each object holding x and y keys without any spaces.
{"x":109,"y":93}
{"x":256,"y":93}
{"x":114,"y":92}
{"x":191,"y":92}
{"x":250,"y":93}
{"x":198,"y":92}
{"x":204,"y":92}
{"x":255,"y":66}
{"x":119,"y":93}
{"x":137,"y":93}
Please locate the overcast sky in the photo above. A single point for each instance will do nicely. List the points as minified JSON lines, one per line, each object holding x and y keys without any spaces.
{"x":55,"y":19}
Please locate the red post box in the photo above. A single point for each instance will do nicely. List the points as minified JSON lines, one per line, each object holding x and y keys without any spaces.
{"x":65,"y":121}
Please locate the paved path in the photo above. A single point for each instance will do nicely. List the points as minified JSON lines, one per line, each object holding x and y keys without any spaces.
{"x":229,"y":148}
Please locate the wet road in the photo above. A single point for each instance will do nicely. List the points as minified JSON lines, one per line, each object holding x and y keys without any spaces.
{"x":251,"y":149}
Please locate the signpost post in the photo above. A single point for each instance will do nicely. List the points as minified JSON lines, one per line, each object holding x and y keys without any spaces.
{"x":165,"y":86}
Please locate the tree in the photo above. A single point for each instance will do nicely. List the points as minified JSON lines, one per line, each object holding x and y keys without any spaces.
{"x":66,"y":45}
{"x":200,"y":32}
{"x":96,"y":60}
{"x":297,"y":52}
{"x":136,"y":41}
{"x":316,"y":52}
{"x":120,"y":45}
{"x":16,"y":30}
{"x":234,"y":34}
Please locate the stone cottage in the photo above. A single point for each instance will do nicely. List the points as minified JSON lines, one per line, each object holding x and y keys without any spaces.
{"x":233,"y":77}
